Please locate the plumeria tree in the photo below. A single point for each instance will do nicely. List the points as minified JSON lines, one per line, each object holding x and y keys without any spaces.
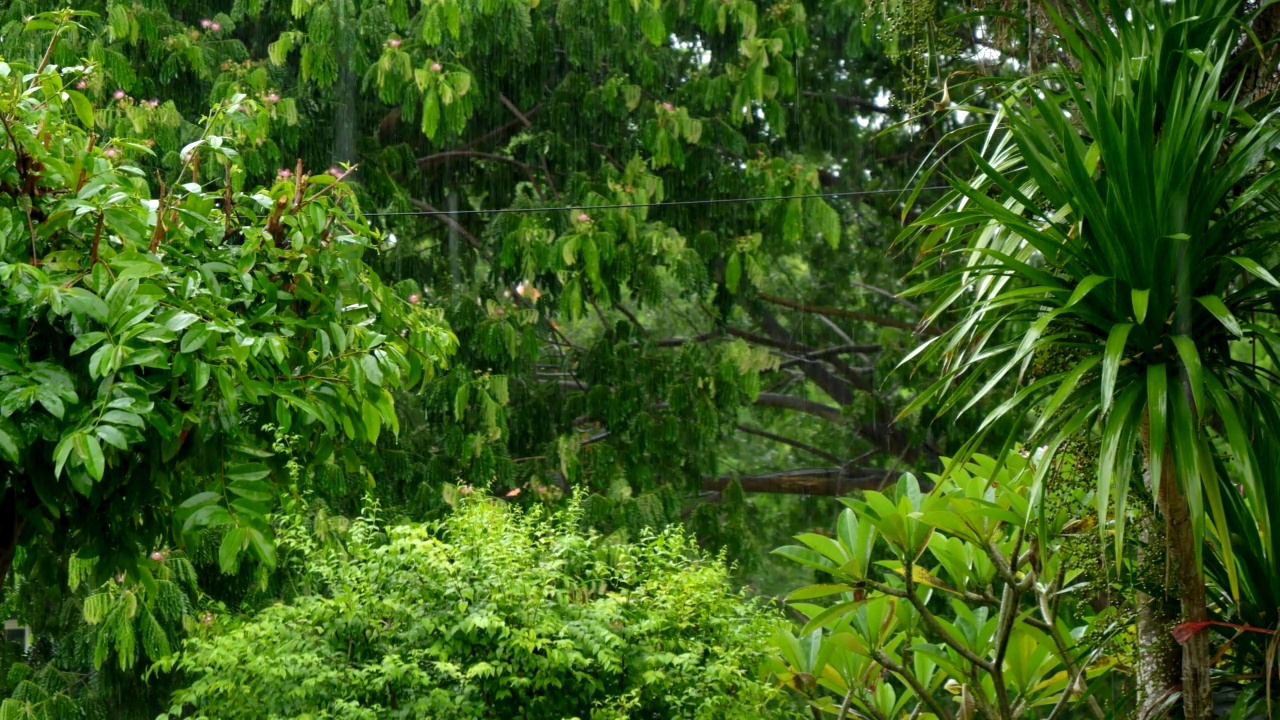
{"x":157,"y":333}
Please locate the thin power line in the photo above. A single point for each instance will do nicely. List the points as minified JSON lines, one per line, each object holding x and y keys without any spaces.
{"x":673,"y":203}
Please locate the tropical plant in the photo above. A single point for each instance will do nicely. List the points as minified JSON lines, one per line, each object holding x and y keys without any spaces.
{"x":148,"y":340}
{"x":1115,"y":243}
{"x":493,"y":612}
{"x":952,"y":603}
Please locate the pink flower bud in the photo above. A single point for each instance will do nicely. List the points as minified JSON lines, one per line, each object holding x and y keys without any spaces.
{"x":436,"y":67}
{"x":119,"y":577}
{"x":153,"y":103}
{"x":668,"y":107}
{"x":465,"y":490}
{"x":205,"y":23}
{"x":334,"y":171}
{"x":82,"y":85}
{"x":584,"y":218}
{"x":414,"y":298}
{"x":111,"y":153}
{"x":284,"y":173}
{"x":157,"y":556}
{"x":272,"y":98}
{"x":394,"y":42}
{"x":215,"y":27}
{"x":119,"y":94}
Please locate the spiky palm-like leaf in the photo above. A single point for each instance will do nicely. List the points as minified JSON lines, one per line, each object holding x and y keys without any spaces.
{"x":1120,"y":224}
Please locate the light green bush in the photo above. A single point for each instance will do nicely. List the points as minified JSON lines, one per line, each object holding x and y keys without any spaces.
{"x":493,"y":613}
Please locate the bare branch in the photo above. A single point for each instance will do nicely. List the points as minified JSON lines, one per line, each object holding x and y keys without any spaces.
{"x":851,"y":314}
{"x":792,"y":442}
{"x":813,"y":481}
{"x":791,"y":402}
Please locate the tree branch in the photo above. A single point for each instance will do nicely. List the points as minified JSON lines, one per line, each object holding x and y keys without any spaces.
{"x":793,"y":443}
{"x":832,"y":482}
{"x":791,"y":402}
{"x":851,"y":314}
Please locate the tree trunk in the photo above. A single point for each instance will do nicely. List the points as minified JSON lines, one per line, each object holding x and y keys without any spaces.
{"x":1197,"y":699}
{"x":1159,"y":671}
{"x":1162,"y":669}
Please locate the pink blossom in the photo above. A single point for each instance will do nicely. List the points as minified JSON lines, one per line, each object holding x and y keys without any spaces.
{"x":82,"y":85}
{"x":394,"y":42}
{"x":334,"y":171}
{"x":206,"y":619}
{"x":465,"y":490}
{"x":111,"y":153}
{"x":215,"y":27}
{"x":153,"y":103}
{"x":118,"y":94}
{"x":584,"y":218}
{"x":157,"y":556}
{"x":206,"y":23}
{"x":436,"y":67}
{"x":668,"y":107}
{"x":119,"y":577}
{"x":272,"y":98}
{"x":284,"y":173}
{"x":414,"y":298}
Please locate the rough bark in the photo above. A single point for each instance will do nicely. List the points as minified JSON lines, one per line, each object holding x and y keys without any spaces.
{"x":1159,"y":665}
{"x":1197,"y":700}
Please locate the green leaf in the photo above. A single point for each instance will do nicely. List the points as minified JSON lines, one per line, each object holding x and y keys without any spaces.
{"x":199,"y":500}
{"x":206,"y":516}
{"x":195,"y":338}
{"x":733,"y":271}
{"x":94,"y":462}
{"x":810,"y":592}
{"x":229,"y":551}
{"x":373,"y":373}
{"x":87,"y":341}
{"x":1140,"y":298}
{"x":1157,"y":415}
{"x":263,"y":548}
{"x":1083,"y":288}
{"x":8,"y":446}
{"x":120,"y":417}
{"x":248,"y":471}
{"x":1111,"y":361}
{"x":112,"y":436}
{"x":257,"y":491}
{"x":372,"y":421}
{"x":1191,"y":364}
{"x":1257,"y":270}
{"x":1214,"y":304}
{"x":84,"y":110}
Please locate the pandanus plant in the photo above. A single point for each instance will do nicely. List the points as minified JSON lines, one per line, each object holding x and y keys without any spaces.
{"x":1109,"y":274}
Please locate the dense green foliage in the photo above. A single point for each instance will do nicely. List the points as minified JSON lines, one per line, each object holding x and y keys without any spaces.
{"x":492,"y":613}
{"x":976,"y":609}
{"x":147,"y":342}
{"x":250,"y":327}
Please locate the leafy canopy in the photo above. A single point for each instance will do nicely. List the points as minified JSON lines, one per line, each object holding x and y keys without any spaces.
{"x":147,"y":337}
